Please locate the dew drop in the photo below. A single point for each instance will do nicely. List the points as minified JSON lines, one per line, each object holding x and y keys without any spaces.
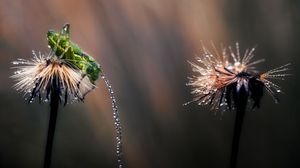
{"x":31,"y":100}
{"x":222,"y":104}
{"x":237,"y":63}
{"x":17,"y":72}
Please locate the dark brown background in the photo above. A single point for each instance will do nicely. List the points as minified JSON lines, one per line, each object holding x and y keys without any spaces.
{"x":143,"y":46}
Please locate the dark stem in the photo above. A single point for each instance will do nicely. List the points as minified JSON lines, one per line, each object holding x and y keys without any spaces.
{"x":240,"y":102}
{"x":54,"y":102}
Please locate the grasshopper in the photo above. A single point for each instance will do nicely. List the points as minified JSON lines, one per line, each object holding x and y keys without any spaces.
{"x":65,"y":49}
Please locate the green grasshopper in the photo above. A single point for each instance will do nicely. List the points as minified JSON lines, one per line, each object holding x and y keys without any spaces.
{"x":67,"y":50}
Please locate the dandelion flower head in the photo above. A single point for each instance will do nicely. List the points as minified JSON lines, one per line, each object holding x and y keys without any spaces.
{"x":221,"y":76}
{"x":36,"y":78}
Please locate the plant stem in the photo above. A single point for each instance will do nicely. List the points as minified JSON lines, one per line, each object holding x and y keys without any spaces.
{"x":54,"y":102}
{"x":241,"y":103}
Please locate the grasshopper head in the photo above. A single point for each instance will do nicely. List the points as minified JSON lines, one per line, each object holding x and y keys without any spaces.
{"x":58,"y":42}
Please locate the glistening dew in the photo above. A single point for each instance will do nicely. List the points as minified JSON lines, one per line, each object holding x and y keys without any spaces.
{"x":221,"y":76}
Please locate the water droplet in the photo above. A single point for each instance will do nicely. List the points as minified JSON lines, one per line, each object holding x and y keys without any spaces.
{"x":117,"y":123}
{"x":17,"y":72}
{"x":237,"y":63}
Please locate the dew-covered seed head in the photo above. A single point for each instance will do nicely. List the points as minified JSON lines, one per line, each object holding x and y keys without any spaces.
{"x":35,"y":78}
{"x":221,"y":75}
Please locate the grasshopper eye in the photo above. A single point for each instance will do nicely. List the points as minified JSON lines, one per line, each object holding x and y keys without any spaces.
{"x":50,"y":33}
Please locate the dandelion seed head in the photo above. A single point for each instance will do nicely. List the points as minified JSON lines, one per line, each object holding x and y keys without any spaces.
{"x":221,"y":75}
{"x":35,"y":78}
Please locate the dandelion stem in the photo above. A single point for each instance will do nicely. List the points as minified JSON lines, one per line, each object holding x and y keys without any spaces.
{"x":54,"y":102}
{"x":117,"y":122}
{"x":241,"y":103}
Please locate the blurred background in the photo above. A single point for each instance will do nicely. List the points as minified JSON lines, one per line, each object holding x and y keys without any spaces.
{"x":143,"y":47}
